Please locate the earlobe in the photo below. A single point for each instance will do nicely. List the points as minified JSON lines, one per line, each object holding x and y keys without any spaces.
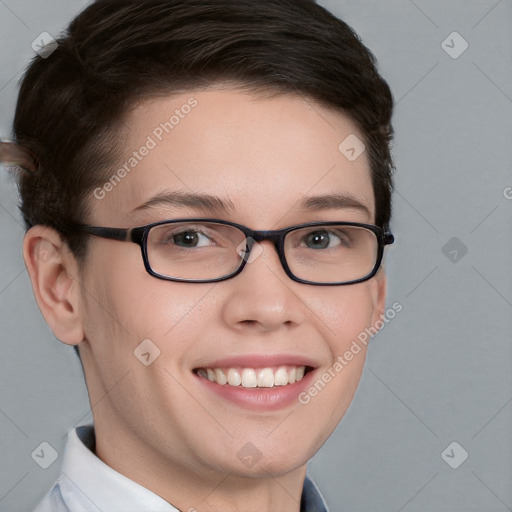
{"x":53,"y":272}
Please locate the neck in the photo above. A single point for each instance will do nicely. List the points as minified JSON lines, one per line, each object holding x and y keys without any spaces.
{"x":192,"y":487}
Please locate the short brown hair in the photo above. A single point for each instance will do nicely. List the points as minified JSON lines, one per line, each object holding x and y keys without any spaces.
{"x":117,"y":53}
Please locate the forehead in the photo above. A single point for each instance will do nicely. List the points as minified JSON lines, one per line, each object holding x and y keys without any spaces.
{"x":261,"y":156}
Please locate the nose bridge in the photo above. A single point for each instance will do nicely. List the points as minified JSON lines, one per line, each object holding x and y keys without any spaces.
{"x":261,"y":298}
{"x":273,"y":236}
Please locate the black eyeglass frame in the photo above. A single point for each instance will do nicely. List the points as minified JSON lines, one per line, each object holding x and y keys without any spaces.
{"x":139,"y":235}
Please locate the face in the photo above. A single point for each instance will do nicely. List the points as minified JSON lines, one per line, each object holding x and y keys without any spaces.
{"x":262,"y":158}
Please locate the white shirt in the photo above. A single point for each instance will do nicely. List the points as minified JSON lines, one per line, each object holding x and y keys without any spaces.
{"x":87,"y":484}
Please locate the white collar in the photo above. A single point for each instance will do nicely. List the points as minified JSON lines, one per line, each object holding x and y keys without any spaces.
{"x":87,"y":482}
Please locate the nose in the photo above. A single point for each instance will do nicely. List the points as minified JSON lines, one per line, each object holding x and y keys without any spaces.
{"x":262,"y":297}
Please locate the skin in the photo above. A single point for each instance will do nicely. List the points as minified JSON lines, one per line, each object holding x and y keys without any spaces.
{"x":156,"y":424}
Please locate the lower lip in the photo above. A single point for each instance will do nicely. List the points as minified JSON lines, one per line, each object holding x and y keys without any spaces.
{"x":268,"y":399}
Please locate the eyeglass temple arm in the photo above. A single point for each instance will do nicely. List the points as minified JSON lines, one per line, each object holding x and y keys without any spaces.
{"x":110,"y":233}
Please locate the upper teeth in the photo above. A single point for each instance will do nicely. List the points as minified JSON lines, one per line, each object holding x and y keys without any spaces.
{"x":252,"y":378}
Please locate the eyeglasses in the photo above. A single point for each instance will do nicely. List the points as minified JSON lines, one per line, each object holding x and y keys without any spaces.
{"x":209,"y":250}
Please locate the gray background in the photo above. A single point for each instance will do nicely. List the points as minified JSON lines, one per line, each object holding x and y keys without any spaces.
{"x":441,"y":370}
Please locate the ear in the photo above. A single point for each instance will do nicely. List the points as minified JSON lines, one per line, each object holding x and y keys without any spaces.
{"x":379,"y":295}
{"x":54,"y":273}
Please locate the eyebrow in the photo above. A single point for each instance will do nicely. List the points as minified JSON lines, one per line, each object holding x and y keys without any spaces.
{"x":333,"y":202}
{"x":204,"y":202}
{"x":210,"y":203}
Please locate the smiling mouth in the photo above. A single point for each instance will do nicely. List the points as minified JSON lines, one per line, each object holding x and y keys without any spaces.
{"x":254,"y":377}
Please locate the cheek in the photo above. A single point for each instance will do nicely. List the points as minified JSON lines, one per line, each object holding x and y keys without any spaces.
{"x":132,"y":311}
{"x":344,"y":312}
{"x":128,"y":301}
{"x":346,"y":315}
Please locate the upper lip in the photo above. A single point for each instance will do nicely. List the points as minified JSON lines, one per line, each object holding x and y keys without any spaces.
{"x":260,"y":361}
